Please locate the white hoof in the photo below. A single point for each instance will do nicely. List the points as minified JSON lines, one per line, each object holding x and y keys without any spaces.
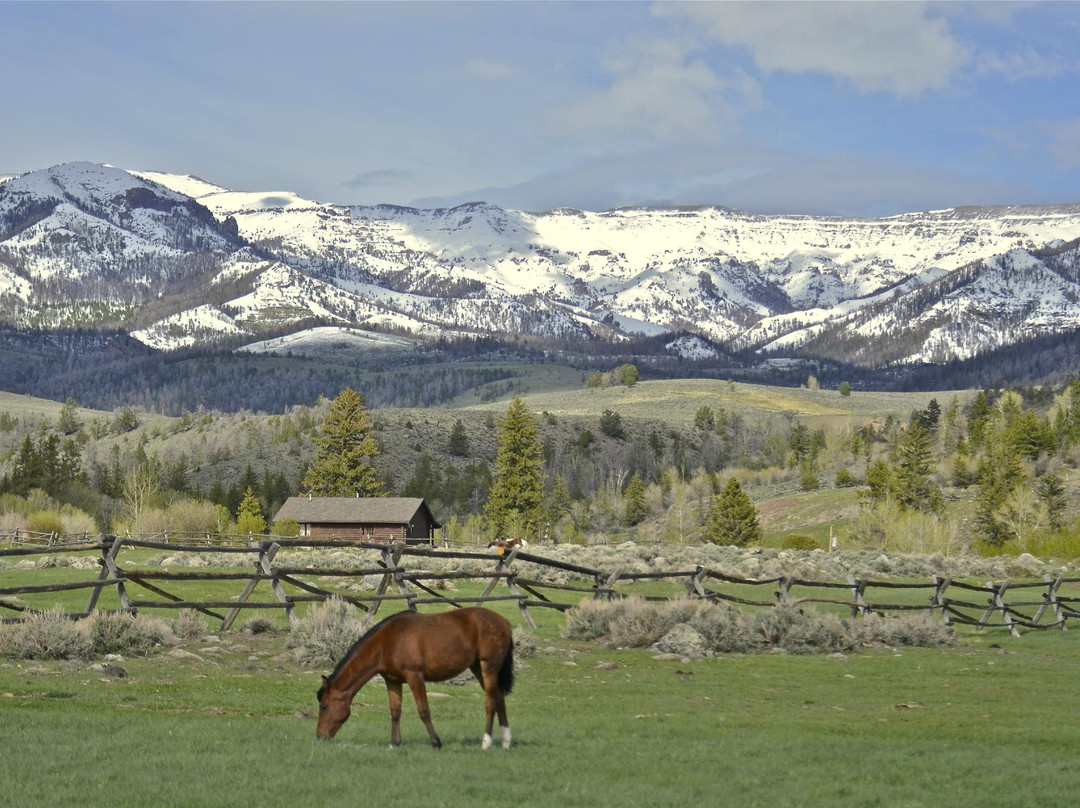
{"x":486,"y":743}
{"x":506,"y":740}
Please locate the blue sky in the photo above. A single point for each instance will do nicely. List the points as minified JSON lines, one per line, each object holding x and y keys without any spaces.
{"x":843,"y":108}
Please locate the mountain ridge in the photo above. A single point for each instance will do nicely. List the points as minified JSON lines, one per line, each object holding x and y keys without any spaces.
{"x":178,"y":261}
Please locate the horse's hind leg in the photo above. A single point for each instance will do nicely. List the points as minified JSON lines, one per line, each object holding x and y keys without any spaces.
{"x":419,"y":691}
{"x":393,"y":691}
{"x":494,"y":701}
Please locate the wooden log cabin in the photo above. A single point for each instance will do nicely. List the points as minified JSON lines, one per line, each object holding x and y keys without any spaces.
{"x":374,"y":519}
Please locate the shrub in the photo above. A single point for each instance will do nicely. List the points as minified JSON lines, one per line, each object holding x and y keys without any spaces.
{"x":802,"y":632}
{"x":726,"y":630}
{"x":798,"y":541}
{"x":638,"y":623}
{"x":257,"y":625}
{"x":285,"y":527}
{"x":119,"y":633}
{"x":45,"y":522}
{"x":188,"y":625}
{"x":920,"y":629}
{"x":588,"y":620}
{"x":845,"y":479}
{"x":326,"y":633}
{"x":524,"y":644}
{"x":808,"y":480}
{"x":46,"y":635}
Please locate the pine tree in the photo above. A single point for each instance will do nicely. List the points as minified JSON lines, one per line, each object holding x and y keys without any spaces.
{"x":459,"y":440}
{"x":249,"y":517}
{"x":426,"y":481}
{"x":518,"y":483}
{"x":345,"y":451}
{"x":914,"y":488}
{"x":611,"y":424}
{"x":999,"y":473}
{"x":704,"y":418}
{"x":69,"y":417}
{"x":636,"y":507}
{"x":733,"y":519}
{"x":558,"y":500}
{"x":1052,"y":493}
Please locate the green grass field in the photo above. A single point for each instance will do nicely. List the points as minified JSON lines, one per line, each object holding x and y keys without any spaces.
{"x":989,"y":721}
{"x":676,"y":400}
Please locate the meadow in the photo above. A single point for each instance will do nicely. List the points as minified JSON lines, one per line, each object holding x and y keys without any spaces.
{"x":989,"y":720}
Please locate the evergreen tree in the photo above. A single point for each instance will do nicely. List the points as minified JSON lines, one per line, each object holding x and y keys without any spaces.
{"x":914,"y":488}
{"x":249,"y":517}
{"x":1052,"y":493}
{"x":345,"y":451}
{"x":978,"y":417}
{"x":636,"y":507}
{"x":558,"y":500}
{"x":425,"y":482}
{"x":628,"y":375}
{"x":733,"y":519}
{"x":999,"y":473}
{"x":1030,"y":435}
{"x":69,"y":417}
{"x":704,"y":418}
{"x":517,"y":487}
{"x":459,"y":440}
{"x":611,"y":424}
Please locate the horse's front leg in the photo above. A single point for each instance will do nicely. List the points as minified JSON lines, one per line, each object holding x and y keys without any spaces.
{"x":419,"y":691}
{"x":393,"y":690}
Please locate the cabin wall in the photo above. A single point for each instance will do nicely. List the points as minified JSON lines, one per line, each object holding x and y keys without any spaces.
{"x":373,"y":533}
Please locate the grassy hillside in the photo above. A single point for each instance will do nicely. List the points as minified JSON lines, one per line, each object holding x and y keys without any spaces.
{"x":677,"y":401}
{"x":657,"y":419}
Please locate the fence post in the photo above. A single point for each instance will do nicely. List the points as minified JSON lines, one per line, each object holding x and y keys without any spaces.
{"x":783,"y":595}
{"x":266,"y":555}
{"x":859,"y":607}
{"x":997,"y":603}
{"x":391,"y":556}
{"x":1050,"y":598}
{"x":502,"y":563}
{"x":108,"y":562}
{"x":938,"y":601}
{"x":696,"y":584}
{"x":264,"y":563}
{"x":604,"y":588}
{"x":511,"y":584}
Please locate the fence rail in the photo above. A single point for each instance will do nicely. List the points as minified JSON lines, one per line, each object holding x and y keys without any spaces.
{"x":1008,"y":604}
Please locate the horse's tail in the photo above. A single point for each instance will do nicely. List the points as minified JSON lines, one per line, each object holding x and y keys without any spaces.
{"x":506,"y":672}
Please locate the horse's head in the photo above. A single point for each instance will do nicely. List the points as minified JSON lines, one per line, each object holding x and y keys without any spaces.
{"x":334,"y":709}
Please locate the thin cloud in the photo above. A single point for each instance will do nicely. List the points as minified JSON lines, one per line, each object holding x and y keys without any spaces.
{"x":751,"y":178}
{"x":659,"y":91}
{"x":380,"y":177}
{"x":490,"y":70}
{"x":1024,"y":65}
{"x":897,"y":48}
{"x":1064,"y":145}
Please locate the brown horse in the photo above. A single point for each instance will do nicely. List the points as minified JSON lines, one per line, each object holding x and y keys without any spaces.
{"x":412,"y":648}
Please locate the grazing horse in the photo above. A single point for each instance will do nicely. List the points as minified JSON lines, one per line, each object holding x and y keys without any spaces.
{"x":502,"y":546}
{"x":412,"y":648}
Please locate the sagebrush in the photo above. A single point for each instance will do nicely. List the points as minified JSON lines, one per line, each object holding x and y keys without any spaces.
{"x":636,"y":623}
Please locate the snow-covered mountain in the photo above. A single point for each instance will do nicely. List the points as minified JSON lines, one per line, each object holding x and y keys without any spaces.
{"x":181,"y":260}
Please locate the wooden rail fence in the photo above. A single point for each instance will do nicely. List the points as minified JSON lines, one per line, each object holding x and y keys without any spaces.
{"x":1007,"y":604}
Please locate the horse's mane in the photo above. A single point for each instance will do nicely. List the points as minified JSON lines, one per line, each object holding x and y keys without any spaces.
{"x":355,"y":647}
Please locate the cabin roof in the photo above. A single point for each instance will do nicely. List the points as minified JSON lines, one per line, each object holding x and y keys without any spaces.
{"x":360,"y":510}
